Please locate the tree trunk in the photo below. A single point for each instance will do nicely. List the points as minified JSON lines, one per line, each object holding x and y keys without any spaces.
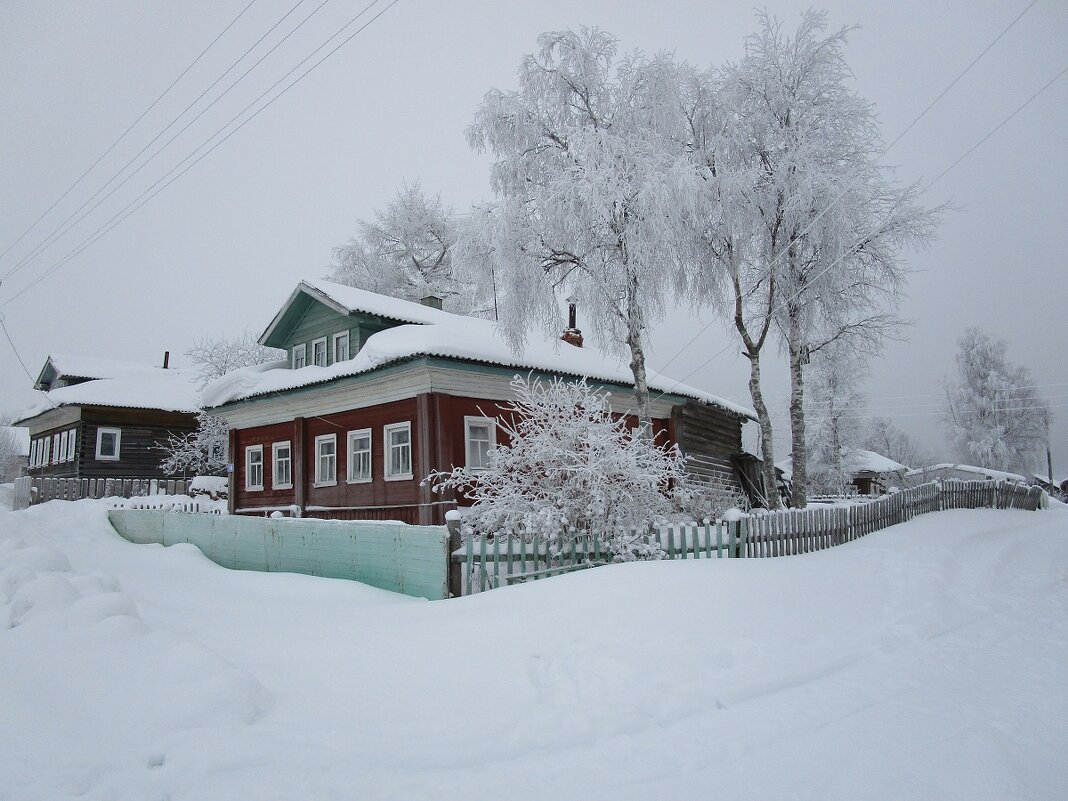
{"x":798,"y":493}
{"x":635,"y":326}
{"x":771,"y":482}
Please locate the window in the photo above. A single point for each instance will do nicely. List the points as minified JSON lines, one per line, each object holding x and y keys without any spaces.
{"x":326,"y":460}
{"x":480,"y":437}
{"x":254,"y":467}
{"x":359,"y":456}
{"x":35,"y":447}
{"x":282,"y":474}
{"x":108,"y":441}
{"x":72,"y":438}
{"x":319,"y":352}
{"x":398,"y":451}
{"x":300,"y":356}
{"x":341,"y":347}
{"x":60,"y":453}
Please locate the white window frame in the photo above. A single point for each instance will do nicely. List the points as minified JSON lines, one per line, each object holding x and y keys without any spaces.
{"x":275,"y":447}
{"x":302,"y":349}
{"x":472,"y":420}
{"x":118,"y":443}
{"x":59,"y":453}
{"x":344,"y":335}
{"x":387,"y":452}
{"x":35,"y":448}
{"x":315,"y":343}
{"x":350,"y":457}
{"x":249,"y":451}
{"x":320,"y":479}
{"x":72,"y":443}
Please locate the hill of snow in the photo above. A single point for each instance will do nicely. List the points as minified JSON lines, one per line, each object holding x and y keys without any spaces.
{"x":924,"y":661}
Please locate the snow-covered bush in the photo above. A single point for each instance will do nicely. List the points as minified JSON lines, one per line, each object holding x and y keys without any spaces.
{"x":571,"y":465}
{"x":200,"y":452}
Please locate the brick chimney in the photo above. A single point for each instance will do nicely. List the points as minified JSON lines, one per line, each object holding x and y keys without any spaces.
{"x":571,"y":335}
{"x":433,"y":301}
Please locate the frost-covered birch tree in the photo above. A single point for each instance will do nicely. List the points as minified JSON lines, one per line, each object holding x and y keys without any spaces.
{"x":994,"y":414}
{"x":587,"y":176}
{"x":835,"y":410}
{"x":570,"y":463}
{"x":839,"y":216}
{"x":407,"y":251}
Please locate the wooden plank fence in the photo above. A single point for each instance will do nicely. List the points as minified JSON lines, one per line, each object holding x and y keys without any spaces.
{"x":34,"y":489}
{"x":483,"y":563}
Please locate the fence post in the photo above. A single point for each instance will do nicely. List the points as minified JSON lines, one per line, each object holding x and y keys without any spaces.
{"x":454,"y":568}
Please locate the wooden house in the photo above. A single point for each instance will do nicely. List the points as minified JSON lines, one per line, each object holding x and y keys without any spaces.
{"x":964,"y":472}
{"x":101,"y":418}
{"x":378,"y":392}
{"x":874,"y":474}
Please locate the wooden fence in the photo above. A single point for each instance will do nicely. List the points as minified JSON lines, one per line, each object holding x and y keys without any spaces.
{"x":482,"y":563}
{"x":34,"y":489}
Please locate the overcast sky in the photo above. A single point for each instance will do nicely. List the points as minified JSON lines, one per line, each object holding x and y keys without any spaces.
{"x":217,"y":251}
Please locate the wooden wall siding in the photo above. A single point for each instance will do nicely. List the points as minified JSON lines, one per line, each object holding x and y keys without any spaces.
{"x":63,"y":469}
{"x":321,"y":321}
{"x":710,"y":436}
{"x":268,"y":496}
{"x":140,"y":451}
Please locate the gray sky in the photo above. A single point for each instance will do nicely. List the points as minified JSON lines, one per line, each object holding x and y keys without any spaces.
{"x":219,"y":250}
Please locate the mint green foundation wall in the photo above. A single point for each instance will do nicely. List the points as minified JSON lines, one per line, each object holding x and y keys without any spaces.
{"x":412,"y":560}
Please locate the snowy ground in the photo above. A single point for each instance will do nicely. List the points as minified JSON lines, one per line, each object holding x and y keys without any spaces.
{"x":927,"y":661}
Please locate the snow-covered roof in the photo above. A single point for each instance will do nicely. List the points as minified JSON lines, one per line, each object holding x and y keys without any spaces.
{"x":432,"y":332}
{"x":860,"y":461}
{"x":872,"y":462}
{"x":984,"y":472}
{"x":92,"y":367}
{"x":150,"y":388}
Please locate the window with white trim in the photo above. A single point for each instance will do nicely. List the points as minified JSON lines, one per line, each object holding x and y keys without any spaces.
{"x":282,"y":465}
{"x":480,"y":437}
{"x":35,"y":448}
{"x":108,"y":444}
{"x":398,"y":440}
{"x":359,"y":456}
{"x":341,"y":347}
{"x":326,"y":460}
{"x":254,"y":467}
{"x":300,"y":356}
{"x":72,"y":439}
{"x":60,"y":453}
{"x":319,"y":352}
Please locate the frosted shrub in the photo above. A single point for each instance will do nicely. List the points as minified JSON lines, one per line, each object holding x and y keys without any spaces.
{"x":571,"y":464}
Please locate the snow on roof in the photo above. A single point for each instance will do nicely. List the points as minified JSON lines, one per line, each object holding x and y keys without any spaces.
{"x":859,"y":461}
{"x":95,"y":367}
{"x":360,"y":300}
{"x":872,"y":462}
{"x":439,"y":333}
{"x":21,"y":436}
{"x":984,"y":472}
{"x":151,"y":388}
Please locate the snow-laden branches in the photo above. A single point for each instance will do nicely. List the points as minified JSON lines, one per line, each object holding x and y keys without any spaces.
{"x":216,"y":357}
{"x":198,"y":453}
{"x":407,"y":251}
{"x":994,"y":415}
{"x":569,"y":464}
{"x":588,"y":179}
{"x":835,"y":405}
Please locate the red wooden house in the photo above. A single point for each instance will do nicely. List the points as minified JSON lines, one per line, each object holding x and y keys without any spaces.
{"x":378,"y":392}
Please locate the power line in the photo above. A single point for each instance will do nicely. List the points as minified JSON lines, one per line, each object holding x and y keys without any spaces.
{"x":67,"y":225}
{"x":129,"y":128}
{"x":124,"y":213}
{"x":897,"y":139}
{"x":22,"y":364}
